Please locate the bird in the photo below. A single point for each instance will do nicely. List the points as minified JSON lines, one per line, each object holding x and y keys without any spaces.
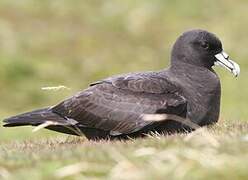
{"x":114,"y":107}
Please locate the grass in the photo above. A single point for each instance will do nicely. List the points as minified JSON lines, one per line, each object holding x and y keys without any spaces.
{"x":219,"y":152}
{"x":72,"y":43}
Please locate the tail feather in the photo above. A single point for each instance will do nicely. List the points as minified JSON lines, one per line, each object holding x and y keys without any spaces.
{"x":44,"y":116}
{"x":37,"y":117}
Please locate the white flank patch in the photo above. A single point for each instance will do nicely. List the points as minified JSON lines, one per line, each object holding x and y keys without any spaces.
{"x":164,"y":117}
{"x":154,"y":117}
{"x":44,"y":125}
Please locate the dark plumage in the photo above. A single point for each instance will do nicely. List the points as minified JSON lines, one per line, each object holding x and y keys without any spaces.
{"x":114,"y":107}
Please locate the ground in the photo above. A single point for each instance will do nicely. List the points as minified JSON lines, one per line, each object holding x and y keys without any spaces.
{"x":74,"y":42}
{"x":218,"y":152}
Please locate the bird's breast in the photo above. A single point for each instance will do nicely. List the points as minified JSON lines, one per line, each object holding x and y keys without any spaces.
{"x":203,"y":96}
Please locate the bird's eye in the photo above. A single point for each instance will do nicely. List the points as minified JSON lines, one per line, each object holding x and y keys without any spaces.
{"x":205,"y":45}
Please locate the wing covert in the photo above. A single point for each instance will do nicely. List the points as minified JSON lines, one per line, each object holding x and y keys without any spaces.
{"x":117,"y":105}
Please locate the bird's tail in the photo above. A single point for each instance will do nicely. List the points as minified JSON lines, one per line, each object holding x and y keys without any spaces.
{"x":44,"y":116}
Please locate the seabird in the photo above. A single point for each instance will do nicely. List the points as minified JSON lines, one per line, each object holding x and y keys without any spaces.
{"x":115,"y":107}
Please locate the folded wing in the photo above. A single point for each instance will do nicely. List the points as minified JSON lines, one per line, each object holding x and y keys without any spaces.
{"x":117,"y":104}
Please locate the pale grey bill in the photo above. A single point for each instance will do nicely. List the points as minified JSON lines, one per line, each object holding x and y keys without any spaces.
{"x":224,"y":61}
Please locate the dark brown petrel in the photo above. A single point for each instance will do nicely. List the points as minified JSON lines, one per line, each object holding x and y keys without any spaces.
{"x":115,"y":107}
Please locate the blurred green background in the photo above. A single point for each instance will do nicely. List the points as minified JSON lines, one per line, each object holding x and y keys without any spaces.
{"x":74,"y":42}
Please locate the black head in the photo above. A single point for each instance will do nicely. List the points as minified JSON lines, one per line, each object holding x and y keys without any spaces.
{"x":196,"y":47}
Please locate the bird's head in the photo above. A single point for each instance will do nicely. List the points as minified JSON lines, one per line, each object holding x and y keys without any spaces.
{"x":202,"y":48}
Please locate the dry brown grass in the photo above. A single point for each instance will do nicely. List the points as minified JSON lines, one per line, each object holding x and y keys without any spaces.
{"x":219,"y":152}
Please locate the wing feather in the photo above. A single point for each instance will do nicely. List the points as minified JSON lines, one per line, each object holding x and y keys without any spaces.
{"x":117,"y":104}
